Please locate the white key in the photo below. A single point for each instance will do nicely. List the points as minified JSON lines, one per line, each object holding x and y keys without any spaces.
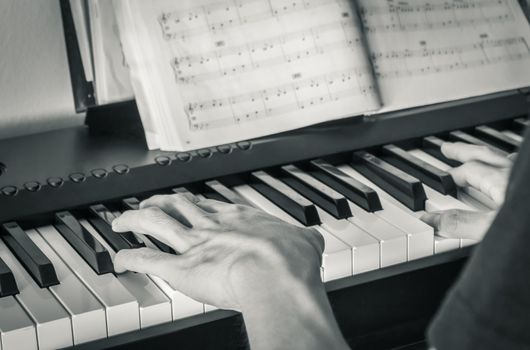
{"x":207,"y":307}
{"x":442,"y":245}
{"x":17,"y":331}
{"x":54,"y":329}
{"x":366,"y":249}
{"x":337,"y":259}
{"x":420,"y":236}
{"x":88,"y":315}
{"x":181,"y":305}
{"x":121,"y":308}
{"x":464,"y":201}
{"x":392,"y":241}
{"x":155,"y":308}
{"x":513,"y":136}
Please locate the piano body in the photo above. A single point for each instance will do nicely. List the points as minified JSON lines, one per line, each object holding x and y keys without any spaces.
{"x":50,"y":182}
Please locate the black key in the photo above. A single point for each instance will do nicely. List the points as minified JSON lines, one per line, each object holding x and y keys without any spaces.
{"x":8,"y":285}
{"x":520,"y":125}
{"x":84,"y":243}
{"x":285,"y":197}
{"x":216,"y":190}
{"x":102,"y":219}
{"x":433,"y":146}
{"x":32,"y":258}
{"x":317,"y":192}
{"x":497,"y":138}
{"x":355,"y":191}
{"x":461,"y":136}
{"x":134,"y":204}
{"x":431,"y":176}
{"x":405,"y":188}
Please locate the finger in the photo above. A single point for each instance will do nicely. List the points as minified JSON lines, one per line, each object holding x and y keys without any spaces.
{"x":214,"y":206}
{"x":143,"y":260}
{"x":180,"y":206}
{"x":154,"y":222}
{"x":464,"y":152}
{"x":459,"y":223}
{"x":487,"y":179}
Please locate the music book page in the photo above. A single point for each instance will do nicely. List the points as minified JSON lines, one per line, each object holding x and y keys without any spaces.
{"x":426,"y":51}
{"x":111,"y":72}
{"x":210,"y":72}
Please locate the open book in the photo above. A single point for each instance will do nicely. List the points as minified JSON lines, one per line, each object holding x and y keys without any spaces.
{"x":210,"y":72}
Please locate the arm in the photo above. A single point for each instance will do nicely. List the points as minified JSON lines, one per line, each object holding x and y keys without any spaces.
{"x":237,"y":257}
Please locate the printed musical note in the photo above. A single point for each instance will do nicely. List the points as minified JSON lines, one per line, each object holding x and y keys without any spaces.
{"x":416,"y":15}
{"x":321,"y":61}
{"x":452,"y":58}
{"x":427,"y":52}
{"x":278,"y":100}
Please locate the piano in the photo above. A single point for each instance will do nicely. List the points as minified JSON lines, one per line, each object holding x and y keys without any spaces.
{"x":362,"y":182}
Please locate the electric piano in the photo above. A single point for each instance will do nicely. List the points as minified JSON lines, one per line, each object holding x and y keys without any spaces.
{"x":362,"y":182}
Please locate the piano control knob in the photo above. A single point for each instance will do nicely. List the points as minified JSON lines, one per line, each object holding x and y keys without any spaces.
{"x":163,"y":160}
{"x":99,"y":173}
{"x":9,"y":190}
{"x":121,"y":169}
{"x":184,"y":157}
{"x":55,"y":182}
{"x":205,"y":153}
{"x":244,"y":145}
{"x":77,"y":177}
{"x":32,"y":186}
{"x":225,"y":149}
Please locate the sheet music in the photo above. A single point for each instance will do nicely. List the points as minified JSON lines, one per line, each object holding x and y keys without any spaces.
{"x":81,"y":29}
{"x":239,"y":69}
{"x":112,"y":81}
{"x":425,"y":52}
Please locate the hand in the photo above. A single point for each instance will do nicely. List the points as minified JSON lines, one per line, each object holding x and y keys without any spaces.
{"x":456,"y":223}
{"x":225,"y":250}
{"x":237,"y":257}
{"x":484,"y":169}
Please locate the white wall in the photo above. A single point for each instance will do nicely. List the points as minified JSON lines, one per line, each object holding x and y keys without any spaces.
{"x":35,"y":90}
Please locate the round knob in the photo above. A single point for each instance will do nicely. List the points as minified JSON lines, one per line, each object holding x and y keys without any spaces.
{"x":163,"y":160}
{"x":99,"y":173}
{"x":224,"y":149}
{"x":9,"y":190}
{"x":55,"y":182}
{"x":244,"y":145}
{"x":77,"y":177}
{"x":121,"y":169}
{"x":205,"y":153}
{"x":184,"y":157}
{"x":32,"y":186}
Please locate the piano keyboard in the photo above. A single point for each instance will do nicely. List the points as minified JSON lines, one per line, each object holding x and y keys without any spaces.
{"x":57,"y":288}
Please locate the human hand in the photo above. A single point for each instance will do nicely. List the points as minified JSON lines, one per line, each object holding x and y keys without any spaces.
{"x":484,"y":169}
{"x":227,"y":252}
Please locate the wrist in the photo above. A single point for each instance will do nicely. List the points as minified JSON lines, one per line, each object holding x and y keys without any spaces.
{"x":263,"y":276}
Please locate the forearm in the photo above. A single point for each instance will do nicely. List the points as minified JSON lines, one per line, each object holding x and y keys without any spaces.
{"x":291,"y":314}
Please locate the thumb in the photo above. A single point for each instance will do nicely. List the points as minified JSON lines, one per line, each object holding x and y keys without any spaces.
{"x":145,"y":260}
{"x":456,"y":223}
